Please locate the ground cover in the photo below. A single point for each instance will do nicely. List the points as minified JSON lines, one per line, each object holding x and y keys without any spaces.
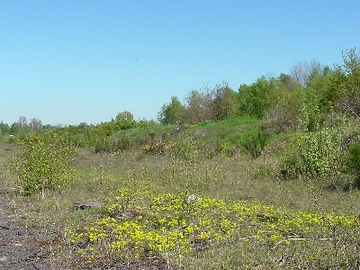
{"x":190,"y":211}
{"x":140,"y":223}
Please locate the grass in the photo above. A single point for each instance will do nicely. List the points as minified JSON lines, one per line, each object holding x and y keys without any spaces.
{"x":239,"y":216}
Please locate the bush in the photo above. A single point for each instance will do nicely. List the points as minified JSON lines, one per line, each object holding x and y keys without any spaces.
{"x":153,"y":145}
{"x":255,"y":143}
{"x":113,"y":144}
{"x":44,"y":162}
{"x":353,"y":163}
{"x":186,"y":147}
{"x":297,"y":110}
{"x":313,"y":156}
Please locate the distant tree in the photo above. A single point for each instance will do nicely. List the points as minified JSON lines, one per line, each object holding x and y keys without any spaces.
{"x":125,"y":120}
{"x":295,"y":110}
{"x":83,"y":125}
{"x":301,"y":72}
{"x":35,"y":125}
{"x":225,"y":102}
{"x":171,"y":113}
{"x":318,"y":82}
{"x":198,"y":107}
{"x":124,"y":116}
{"x":19,"y":127}
{"x":15,"y":128}
{"x":343,"y":92}
{"x":286,"y":82}
{"x":23,"y":122}
{"x":144,"y":123}
{"x":4,"y":128}
{"x":255,"y":100}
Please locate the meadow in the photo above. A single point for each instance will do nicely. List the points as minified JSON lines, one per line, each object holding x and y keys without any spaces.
{"x":194,"y":200}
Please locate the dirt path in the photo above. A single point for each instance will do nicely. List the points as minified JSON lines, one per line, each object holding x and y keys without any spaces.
{"x":20,"y":248}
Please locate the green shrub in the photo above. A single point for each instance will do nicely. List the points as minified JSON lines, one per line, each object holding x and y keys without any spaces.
{"x":255,"y":143}
{"x":313,"y":156}
{"x":353,"y":163}
{"x":116,"y":143}
{"x":44,"y":162}
{"x":101,"y":145}
{"x":319,"y":154}
{"x":290,"y":167}
{"x":186,"y":147}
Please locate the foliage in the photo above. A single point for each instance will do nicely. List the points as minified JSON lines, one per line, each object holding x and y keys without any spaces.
{"x":343,"y":92}
{"x":302,"y":73}
{"x":353,"y":162}
{"x":158,"y":146}
{"x":257,"y":99}
{"x":206,"y":104}
{"x":313,"y":156}
{"x":186,"y":147}
{"x":171,"y":113}
{"x":255,"y":143}
{"x":296,"y":110}
{"x":116,"y":143}
{"x":142,"y":224}
{"x":225,"y":104}
{"x":4,"y":128}
{"x":125,"y":120}
{"x":44,"y":163}
{"x":198,"y":107}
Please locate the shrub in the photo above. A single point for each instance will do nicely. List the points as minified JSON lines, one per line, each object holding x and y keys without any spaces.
{"x":186,"y":147}
{"x":295,"y":110}
{"x":113,"y":144}
{"x":255,"y":143}
{"x":44,"y":162}
{"x":353,"y":163}
{"x":313,"y":156}
{"x":153,"y":145}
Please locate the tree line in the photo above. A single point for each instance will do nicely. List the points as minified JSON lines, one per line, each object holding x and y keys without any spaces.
{"x":300,"y":100}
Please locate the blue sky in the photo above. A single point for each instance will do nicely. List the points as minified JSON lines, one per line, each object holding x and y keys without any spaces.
{"x":66,"y":62}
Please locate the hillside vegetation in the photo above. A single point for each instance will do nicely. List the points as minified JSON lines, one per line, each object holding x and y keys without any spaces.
{"x":267,"y":177}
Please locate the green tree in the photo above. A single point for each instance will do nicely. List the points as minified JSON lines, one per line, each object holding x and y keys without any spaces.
{"x":286,"y":82}
{"x":258,"y":98}
{"x":15,"y":128}
{"x":225,"y":102}
{"x":171,"y":113}
{"x":125,"y":120}
{"x":4,"y":128}
{"x":198,"y":107}
{"x":297,"y":108}
{"x":285,"y":116}
{"x":343,"y":92}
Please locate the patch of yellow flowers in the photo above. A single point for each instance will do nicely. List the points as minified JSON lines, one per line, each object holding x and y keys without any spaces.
{"x":159,"y":225}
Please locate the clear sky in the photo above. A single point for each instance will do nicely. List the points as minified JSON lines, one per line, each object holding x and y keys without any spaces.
{"x":72,"y":61}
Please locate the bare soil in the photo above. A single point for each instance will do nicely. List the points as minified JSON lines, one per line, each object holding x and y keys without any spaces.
{"x":20,"y":247}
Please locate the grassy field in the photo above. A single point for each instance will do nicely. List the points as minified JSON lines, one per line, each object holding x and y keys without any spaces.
{"x":230,"y":211}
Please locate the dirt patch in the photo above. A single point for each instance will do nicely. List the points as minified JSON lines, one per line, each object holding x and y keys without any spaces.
{"x":20,"y":248}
